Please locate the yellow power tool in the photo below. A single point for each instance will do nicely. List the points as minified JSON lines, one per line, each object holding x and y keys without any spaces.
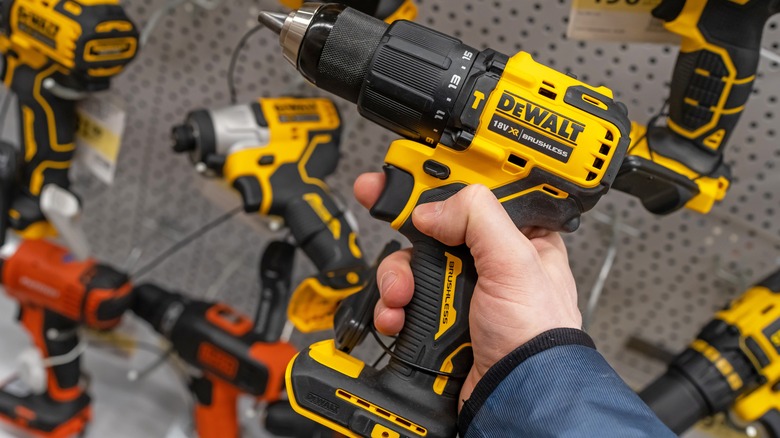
{"x":681,"y":164}
{"x":734,"y":364}
{"x":276,"y":153}
{"x":548,"y":145}
{"x":54,"y":52}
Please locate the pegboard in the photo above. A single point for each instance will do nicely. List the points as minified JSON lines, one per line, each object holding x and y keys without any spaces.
{"x":667,"y":280}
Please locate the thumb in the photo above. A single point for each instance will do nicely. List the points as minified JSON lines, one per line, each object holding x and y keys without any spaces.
{"x":475,"y":217}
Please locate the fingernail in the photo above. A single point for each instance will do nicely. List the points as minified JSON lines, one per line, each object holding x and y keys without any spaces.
{"x":429,"y":210}
{"x":387,"y":280}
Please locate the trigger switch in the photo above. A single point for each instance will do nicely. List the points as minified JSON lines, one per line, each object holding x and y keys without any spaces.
{"x":398,"y":189}
{"x":251,"y":193}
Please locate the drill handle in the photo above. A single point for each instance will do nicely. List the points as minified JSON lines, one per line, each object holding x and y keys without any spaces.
{"x":436,"y":335}
{"x":54,"y":336}
{"x":322,"y":230}
{"x":47,"y":126}
{"x":216,"y":412}
{"x":716,"y":67}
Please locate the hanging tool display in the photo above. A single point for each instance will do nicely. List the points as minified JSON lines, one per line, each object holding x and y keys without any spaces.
{"x":220,"y":343}
{"x":681,"y":164}
{"x":57,"y":294}
{"x":734,"y":364}
{"x":276,"y":153}
{"x":548,"y":145}
{"x":55,"y":52}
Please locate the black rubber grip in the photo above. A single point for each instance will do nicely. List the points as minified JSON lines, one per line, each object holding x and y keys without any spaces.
{"x":40,"y":324}
{"x":49,"y":123}
{"x":707,"y":96}
{"x":316,"y":237}
{"x":437,"y":319}
{"x":344,"y":59}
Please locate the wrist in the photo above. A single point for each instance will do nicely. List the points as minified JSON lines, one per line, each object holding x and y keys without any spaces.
{"x":487,"y":382}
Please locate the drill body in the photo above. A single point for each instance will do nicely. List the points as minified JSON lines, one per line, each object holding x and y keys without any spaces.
{"x":734,"y":364}
{"x":276,"y":153}
{"x":221,"y":345}
{"x":50,"y":45}
{"x":58,"y":294}
{"x":682,"y":164}
{"x":548,"y":146}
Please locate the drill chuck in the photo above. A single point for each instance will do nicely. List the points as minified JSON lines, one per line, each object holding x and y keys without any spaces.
{"x":183,"y":138}
{"x":403,"y":76}
{"x":696,"y":386}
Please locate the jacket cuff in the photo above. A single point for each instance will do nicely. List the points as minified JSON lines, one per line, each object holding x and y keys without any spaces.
{"x":496,"y":374}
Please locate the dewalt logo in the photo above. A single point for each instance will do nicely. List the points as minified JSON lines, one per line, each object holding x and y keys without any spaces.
{"x":543,"y":118}
{"x":38,"y":26}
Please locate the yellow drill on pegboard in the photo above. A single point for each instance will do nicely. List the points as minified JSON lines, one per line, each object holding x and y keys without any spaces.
{"x":682,"y":164}
{"x":54,"y":52}
{"x":733,"y":365}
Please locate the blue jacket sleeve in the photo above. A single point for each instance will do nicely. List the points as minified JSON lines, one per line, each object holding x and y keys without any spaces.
{"x":562,"y":391}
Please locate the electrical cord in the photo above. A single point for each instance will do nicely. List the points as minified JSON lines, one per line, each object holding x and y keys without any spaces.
{"x":412,"y":365}
{"x":154,"y":263}
{"x":234,"y":60}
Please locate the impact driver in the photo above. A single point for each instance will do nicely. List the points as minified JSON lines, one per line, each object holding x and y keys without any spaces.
{"x":734,"y":364}
{"x":57,"y":294}
{"x":220,"y":343}
{"x":548,"y":145}
{"x":54,"y":53}
{"x":276,"y":153}
{"x":681,"y":164}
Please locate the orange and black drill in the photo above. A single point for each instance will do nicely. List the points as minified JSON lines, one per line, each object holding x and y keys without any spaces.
{"x":681,"y":164}
{"x":277,"y":152}
{"x":232,"y":358}
{"x":56,"y":51}
{"x":57,"y":294}
{"x":548,"y":145}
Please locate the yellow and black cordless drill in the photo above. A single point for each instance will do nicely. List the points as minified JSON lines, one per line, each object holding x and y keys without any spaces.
{"x":548,"y":145}
{"x":681,"y":164}
{"x":734,"y":364}
{"x":276,"y":153}
{"x":54,"y":51}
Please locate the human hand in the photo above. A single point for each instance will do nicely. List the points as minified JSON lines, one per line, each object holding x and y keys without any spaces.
{"x":525,"y":285}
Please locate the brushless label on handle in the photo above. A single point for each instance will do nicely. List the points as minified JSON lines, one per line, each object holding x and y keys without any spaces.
{"x":449,"y":315}
{"x":99,"y":136}
{"x":617,"y":20}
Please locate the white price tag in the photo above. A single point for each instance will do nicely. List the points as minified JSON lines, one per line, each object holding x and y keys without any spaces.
{"x":617,"y":20}
{"x":101,"y":123}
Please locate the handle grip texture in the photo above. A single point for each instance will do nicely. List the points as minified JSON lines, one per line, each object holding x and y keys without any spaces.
{"x":47,"y":126}
{"x":63,"y":380}
{"x":716,"y":67}
{"x":322,"y":231}
{"x":436,"y":328}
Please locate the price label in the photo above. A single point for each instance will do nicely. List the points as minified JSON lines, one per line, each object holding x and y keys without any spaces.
{"x":617,"y":20}
{"x":101,"y":123}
